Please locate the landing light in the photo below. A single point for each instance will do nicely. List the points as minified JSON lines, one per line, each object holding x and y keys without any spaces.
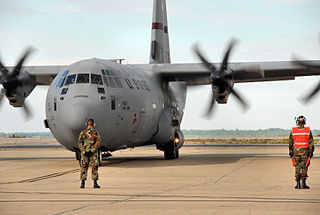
{"x":176,"y":140}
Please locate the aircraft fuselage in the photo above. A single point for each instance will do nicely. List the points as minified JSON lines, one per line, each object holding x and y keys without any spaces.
{"x":131,"y":106}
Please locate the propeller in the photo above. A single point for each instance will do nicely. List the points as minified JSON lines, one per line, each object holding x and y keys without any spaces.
{"x":220,"y":78}
{"x":11,"y":80}
{"x":307,"y":64}
{"x":2,"y":93}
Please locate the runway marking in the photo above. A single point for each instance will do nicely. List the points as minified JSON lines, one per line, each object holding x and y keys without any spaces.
{"x":57,"y":174}
{"x":165,"y":199}
{"x":145,"y":196}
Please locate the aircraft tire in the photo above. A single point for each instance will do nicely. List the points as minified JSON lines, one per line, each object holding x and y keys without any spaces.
{"x":78,"y":155}
{"x":170,"y":152}
{"x":176,"y":153}
{"x":100,"y":157}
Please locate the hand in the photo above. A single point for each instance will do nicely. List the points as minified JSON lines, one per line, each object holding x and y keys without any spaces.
{"x":291,"y":154}
{"x":88,"y":154}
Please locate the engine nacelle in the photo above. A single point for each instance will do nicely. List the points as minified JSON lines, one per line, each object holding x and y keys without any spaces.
{"x":17,"y":96}
{"x":223,"y":95}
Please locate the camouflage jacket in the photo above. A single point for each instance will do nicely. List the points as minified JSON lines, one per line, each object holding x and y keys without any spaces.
{"x":89,"y":140}
{"x":301,"y":151}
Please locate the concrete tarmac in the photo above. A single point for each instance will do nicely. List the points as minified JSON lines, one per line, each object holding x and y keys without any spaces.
{"x":204,"y":180}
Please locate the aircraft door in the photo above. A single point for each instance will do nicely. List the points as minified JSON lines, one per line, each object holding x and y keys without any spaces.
{"x":139,"y":120}
{"x":122,"y":119}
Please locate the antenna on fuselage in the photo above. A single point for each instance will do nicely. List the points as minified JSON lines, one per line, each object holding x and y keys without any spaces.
{"x":120,"y":60}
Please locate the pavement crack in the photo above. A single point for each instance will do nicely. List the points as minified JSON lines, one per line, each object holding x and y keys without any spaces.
{"x":57,"y":174}
{"x":124,"y":200}
{"x":208,"y":182}
{"x":72,"y":210}
{"x":230,"y":172}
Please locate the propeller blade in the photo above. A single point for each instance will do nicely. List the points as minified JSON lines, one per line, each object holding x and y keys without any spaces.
{"x":210,"y":66}
{"x":210,"y":109}
{"x":17,"y":69}
{"x":2,"y":93}
{"x":312,"y":94}
{"x":3,"y":69}
{"x":237,"y":95}
{"x":224,"y":65}
{"x":27,"y":111}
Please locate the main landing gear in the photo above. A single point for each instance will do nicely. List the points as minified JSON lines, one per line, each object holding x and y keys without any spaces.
{"x":170,"y":151}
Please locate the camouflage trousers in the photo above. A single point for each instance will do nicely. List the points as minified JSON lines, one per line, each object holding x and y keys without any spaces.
{"x":300,"y":165}
{"x":87,"y":161}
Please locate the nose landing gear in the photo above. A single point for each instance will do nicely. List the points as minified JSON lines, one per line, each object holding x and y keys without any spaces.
{"x":101,"y":156}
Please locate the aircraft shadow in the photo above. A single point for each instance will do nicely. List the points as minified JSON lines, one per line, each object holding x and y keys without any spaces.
{"x":185,"y":160}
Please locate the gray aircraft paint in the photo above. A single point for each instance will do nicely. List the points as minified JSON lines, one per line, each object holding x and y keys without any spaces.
{"x":117,"y":127}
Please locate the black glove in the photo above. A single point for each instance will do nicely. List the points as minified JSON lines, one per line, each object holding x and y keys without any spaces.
{"x":88,"y":154}
{"x":291,"y":154}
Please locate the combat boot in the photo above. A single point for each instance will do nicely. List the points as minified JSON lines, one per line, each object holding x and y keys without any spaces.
{"x":298,"y":186}
{"x":83,"y":182}
{"x":95,"y":184}
{"x":304,"y":185}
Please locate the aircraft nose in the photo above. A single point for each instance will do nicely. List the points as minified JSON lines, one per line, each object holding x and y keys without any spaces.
{"x":79,"y":111}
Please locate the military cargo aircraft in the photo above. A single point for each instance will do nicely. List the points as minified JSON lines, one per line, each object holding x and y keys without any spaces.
{"x":140,"y":104}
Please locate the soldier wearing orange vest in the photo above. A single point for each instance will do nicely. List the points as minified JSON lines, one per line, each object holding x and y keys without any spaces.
{"x":301,"y":149}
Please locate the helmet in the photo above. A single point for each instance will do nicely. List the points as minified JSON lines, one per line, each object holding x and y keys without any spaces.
{"x":297,"y":119}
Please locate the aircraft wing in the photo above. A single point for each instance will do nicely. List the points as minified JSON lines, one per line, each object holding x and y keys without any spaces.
{"x":198,"y":74}
{"x":44,"y":75}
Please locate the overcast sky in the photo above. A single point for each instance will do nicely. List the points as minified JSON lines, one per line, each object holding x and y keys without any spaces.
{"x":66,"y":31}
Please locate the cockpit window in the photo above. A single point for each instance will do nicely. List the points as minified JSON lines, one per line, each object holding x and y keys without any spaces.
{"x":108,"y":72}
{"x":106,"y":82}
{"x":71,"y":79}
{"x":112,"y":73}
{"x":62,"y":83}
{"x":83,"y":78}
{"x":118,"y":82}
{"x":96,"y":79}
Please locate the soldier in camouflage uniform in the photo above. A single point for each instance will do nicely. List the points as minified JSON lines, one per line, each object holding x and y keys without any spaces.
{"x":89,"y":143}
{"x":301,"y":148}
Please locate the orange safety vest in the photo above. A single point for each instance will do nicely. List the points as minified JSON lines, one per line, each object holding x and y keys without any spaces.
{"x":301,"y":137}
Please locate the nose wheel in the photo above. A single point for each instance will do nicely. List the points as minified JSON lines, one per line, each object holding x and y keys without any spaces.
{"x":100,"y":156}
